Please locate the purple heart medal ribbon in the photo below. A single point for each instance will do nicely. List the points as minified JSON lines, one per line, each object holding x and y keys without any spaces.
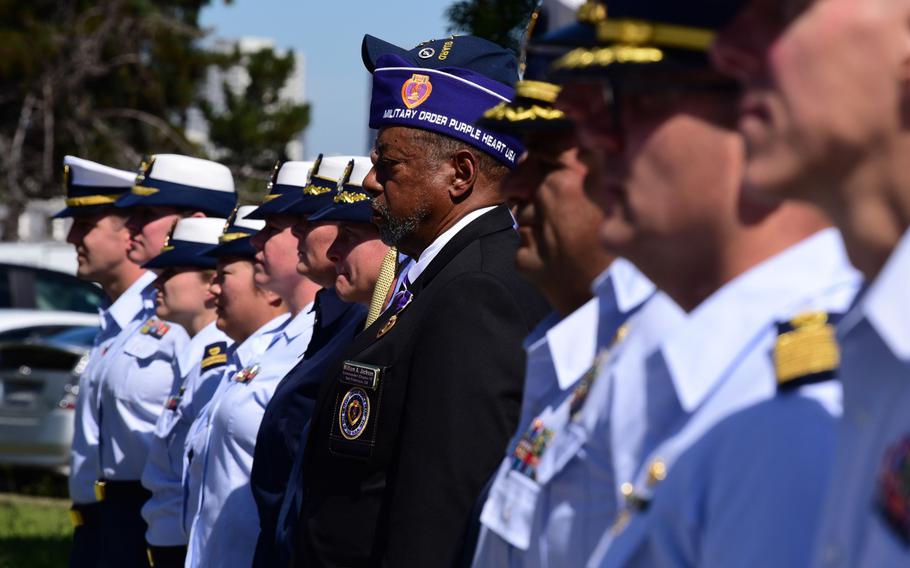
{"x":401,"y":300}
{"x":894,"y":488}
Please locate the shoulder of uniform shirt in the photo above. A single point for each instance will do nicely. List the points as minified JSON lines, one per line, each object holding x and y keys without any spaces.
{"x":214,"y":355}
{"x":813,"y":274}
{"x":806,"y":350}
{"x":131,"y":302}
{"x":261,"y":338}
{"x":300,"y":321}
{"x":275,"y":325}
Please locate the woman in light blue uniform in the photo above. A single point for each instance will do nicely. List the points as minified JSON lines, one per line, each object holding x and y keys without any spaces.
{"x":138,"y":367}
{"x":184,"y":297}
{"x":225,"y":527}
{"x":251,"y":317}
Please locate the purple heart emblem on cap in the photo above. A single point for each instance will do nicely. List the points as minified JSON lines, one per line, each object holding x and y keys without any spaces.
{"x":416,"y":90}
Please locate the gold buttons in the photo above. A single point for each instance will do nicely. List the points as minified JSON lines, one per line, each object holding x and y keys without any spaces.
{"x":657,"y":472}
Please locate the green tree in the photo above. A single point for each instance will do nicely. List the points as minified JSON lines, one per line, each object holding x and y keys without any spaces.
{"x":500,"y":21}
{"x":111,"y":80}
{"x":253,"y":129}
{"x":105,"y":79}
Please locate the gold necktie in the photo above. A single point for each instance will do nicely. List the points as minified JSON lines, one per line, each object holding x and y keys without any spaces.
{"x":383,"y":284}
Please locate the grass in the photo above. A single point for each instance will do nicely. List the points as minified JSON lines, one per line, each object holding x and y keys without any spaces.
{"x":34,"y":531}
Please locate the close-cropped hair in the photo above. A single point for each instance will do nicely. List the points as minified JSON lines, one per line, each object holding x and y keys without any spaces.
{"x":441,"y":147}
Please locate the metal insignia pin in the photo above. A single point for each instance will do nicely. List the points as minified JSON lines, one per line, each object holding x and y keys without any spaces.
{"x":145,"y":167}
{"x":400,"y":301}
{"x":388,"y":326}
{"x":273,"y":177}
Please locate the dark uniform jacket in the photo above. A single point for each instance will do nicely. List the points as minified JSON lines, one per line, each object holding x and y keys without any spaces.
{"x":411,"y":426}
{"x":289,"y":412}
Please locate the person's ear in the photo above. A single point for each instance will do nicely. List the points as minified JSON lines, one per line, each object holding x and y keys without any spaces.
{"x":464,"y":164}
{"x":273,"y":299}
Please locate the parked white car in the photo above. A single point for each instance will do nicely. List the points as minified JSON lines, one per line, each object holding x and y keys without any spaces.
{"x":48,"y":321}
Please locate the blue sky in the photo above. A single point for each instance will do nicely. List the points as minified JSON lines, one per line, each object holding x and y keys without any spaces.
{"x":329,"y":35}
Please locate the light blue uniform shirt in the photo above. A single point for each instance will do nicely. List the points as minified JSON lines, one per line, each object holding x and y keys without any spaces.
{"x":729,"y":471}
{"x":116,"y":320}
{"x":138,"y":376}
{"x":240,"y":355}
{"x":531,"y":509}
{"x":868,"y":501}
{"x":226,"y":525}
{"x":163,"y":474}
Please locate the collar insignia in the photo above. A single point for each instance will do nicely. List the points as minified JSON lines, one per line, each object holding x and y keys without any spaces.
{"x":806,"y":351}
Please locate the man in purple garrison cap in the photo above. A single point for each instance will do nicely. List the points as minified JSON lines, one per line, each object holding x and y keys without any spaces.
{"x":414,"y":418}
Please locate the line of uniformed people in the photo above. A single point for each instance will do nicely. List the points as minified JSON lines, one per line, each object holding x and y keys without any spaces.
{"x":187,"y":332}
{"x":677,"y":406}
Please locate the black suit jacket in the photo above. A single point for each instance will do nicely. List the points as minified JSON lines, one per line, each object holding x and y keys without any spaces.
{"x":288,"y":413}
{"x":440,"y":408}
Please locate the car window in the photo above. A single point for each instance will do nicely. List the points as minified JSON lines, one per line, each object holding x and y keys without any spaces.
{"x":82,"y":336}
{"x":6,"y":297}
{"x":63,"y":292}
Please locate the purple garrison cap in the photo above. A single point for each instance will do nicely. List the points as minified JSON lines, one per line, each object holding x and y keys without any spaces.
{"x":447,"y":101}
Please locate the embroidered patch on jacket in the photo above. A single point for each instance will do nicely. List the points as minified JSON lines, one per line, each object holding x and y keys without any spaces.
{"x":806,"y":350}
{"x":354,"y":413}
{"x":894,"y":488}
{"x":154,"y":327}
{"x":214,"y":355}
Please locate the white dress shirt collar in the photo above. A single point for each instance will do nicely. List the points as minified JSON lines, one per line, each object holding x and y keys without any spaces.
{"x":699,"y":352}
{"x":132,"y":301}
{"x":886,"y":303}
{"x":256,"y":344}
{"x":429,"y":253}
{"x":192,"y":354}
{"x":622,"y":286}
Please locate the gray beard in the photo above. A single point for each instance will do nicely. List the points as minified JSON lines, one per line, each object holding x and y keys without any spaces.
{"x":392,"y":230}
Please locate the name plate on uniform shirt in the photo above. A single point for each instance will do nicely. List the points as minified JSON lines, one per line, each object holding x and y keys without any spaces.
{"x":360,"y":374}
